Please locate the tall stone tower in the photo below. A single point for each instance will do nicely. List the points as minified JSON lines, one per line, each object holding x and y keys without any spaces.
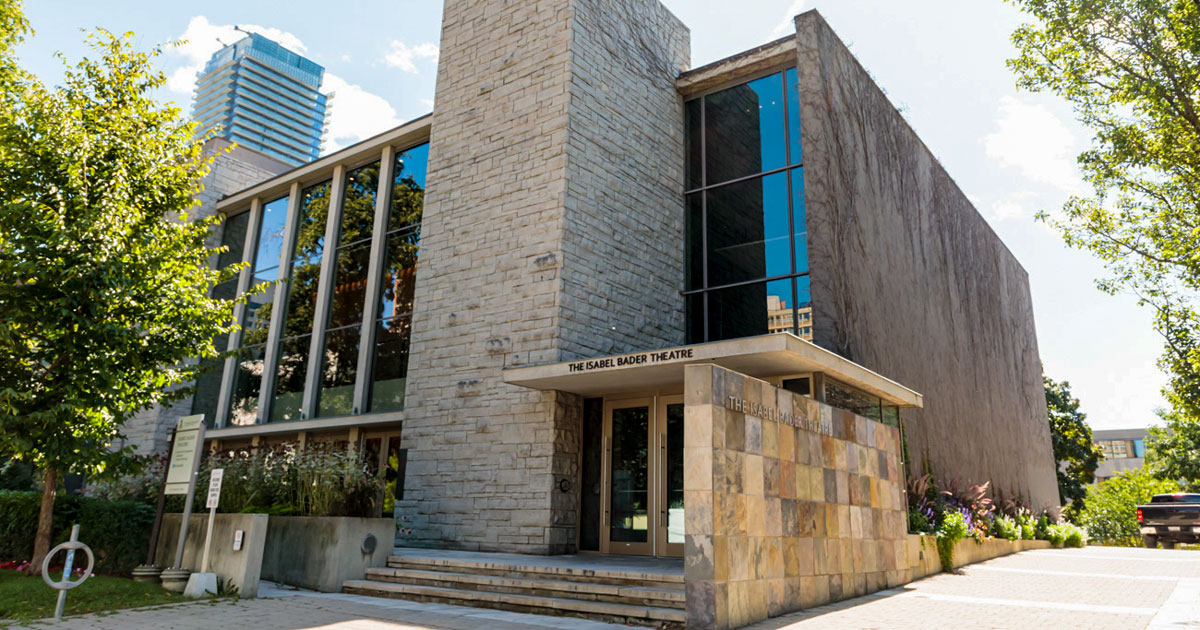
{"x":547,"y":191}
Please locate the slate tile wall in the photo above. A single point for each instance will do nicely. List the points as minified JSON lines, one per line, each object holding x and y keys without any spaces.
{"x":779,"y":516}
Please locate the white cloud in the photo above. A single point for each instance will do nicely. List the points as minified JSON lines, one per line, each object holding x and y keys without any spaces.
{"x":404,"y":57}
{"x":1006,"y":209}
{"x":354,"y":113}
{"x":787,"y":24}
{"x":428,"y":103}
{"x":204,"y":38}
{"x":1034,"y":140}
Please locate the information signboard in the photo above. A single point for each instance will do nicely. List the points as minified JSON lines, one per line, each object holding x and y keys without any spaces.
{"x":188,"y":442}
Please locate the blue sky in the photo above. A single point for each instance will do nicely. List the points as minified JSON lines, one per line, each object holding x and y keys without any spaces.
{"x":940,"y":61}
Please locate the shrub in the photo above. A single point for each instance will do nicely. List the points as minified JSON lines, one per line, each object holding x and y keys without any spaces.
{"x":118,"y":532}
{"x":952,"y":530}
{"x":1041,"y":531}
{"x":1026,"y":524}
{"x":328,"y":479}
{"x":1110,"y":511}
{"x":1074,"y":537}
{"x":1006,"y":527}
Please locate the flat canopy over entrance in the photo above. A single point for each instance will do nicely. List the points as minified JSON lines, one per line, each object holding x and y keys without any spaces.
{"x":779,"y":354}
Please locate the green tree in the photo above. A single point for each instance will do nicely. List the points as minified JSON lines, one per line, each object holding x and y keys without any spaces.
{"x":104,"y":277}
{"x":1131,"y":70}
{"x":1075,"y":455}
{"x":1173,"y":451}
{"x":1110,"y":513}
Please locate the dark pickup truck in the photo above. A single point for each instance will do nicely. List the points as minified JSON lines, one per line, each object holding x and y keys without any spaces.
{"x":1169,"y":519}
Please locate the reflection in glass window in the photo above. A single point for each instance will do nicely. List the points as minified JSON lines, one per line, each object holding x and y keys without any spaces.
{"x":300,"y":306}
{"x":744,"y":130}
{"x":748,"y":233}
{"x":247,"y":380}
{"x":853,"y":400}
{"x":208,"y":383}
{"x":746,"y":227}
{"x":392,"y":327}
{"x":339,"y":360}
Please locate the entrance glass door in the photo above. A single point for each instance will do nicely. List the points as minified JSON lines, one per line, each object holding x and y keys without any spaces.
{"x":643,"y":477}
{"x":670,"y":486}
{"x":628,"y":510}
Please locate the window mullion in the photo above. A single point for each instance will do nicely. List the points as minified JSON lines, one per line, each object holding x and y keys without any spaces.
{"x":245,"y":277}
{"x":329,"y":259}
{"x":279,"y":304}
{"x":375,"y":269}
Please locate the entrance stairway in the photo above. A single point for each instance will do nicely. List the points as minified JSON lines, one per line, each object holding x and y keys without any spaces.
{"x":640,"y":591}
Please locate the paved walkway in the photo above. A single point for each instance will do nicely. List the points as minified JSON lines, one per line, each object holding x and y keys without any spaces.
{"x":1098,"y":587}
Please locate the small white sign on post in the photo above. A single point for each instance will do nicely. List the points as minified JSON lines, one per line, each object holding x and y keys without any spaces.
{"x":214,"y":488}
{"x":214,"y":497}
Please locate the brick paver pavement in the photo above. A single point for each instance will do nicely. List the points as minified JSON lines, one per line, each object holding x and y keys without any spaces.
{"x":1097,"y":587}
{"x":1093,"y":588}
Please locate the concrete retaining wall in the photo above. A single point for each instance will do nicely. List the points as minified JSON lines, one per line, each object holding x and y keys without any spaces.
{"x":923,"y":557}
{"x":240,"y":569}
{"x":320,"y":552}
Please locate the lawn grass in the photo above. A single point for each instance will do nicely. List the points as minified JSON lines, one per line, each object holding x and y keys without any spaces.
{"x":24,"y":598}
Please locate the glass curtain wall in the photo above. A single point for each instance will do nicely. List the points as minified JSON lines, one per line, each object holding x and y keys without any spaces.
{"x":343,"y":330}
{"x":208,"y":384}
{"x":300,"y":306}
{"x":339,"y":362}
{"x":747,"y":246}
{"x":393,"y":326}
{"x":247,"y":380}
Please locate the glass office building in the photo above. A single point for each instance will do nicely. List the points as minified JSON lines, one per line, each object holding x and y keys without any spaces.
{"x":263,"y":96}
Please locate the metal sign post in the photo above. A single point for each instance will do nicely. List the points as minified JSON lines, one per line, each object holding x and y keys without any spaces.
{"x":65,"y":584}
{"x":181,"y":475}
{"x":214,"y":497}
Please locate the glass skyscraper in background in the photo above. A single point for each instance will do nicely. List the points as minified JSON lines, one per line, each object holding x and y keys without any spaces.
{"x":263,"y":96}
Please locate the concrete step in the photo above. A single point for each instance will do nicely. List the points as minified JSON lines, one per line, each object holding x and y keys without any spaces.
{"x":533,"y":567}
{"x":601,"y":611}
{"x":538,"y":587}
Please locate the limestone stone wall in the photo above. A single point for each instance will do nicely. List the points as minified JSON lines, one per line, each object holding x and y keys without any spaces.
{"x":910,"y":281}
{"x":150,"y":430}
{"x":789,"y":503}
{"x":622,"y":249}
{"x":540,"y":213}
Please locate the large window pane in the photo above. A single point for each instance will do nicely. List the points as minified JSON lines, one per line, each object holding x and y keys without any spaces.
{"x":748,"y":231}
{"x":339,"y":368}
{"x":233,"y":239}
{"x":247,"y":383}
{"x":744,"y":130}
{"x":693,"y":144}
{"x":390,"y":364}
{"x":358,"y":211}
{"x":290,"y":374}
{"x":400,"y":274}
{"x":270,"y":239}
{"x":795,"y":145}
{"x":349,"y":285}
{"x":208,"y":381}
{"x":306,"y":262}
{"x":799,"y":219}
{"x":408,"y":188}
{"x":695,"y":241}
{"x":746,"y":311}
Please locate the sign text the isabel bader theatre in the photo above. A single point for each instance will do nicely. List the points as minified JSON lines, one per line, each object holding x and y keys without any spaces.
{"x":798,"y":420}
{"x":641,"y":358}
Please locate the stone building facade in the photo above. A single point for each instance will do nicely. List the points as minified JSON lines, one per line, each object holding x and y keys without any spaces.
{"x":533,"y":273}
